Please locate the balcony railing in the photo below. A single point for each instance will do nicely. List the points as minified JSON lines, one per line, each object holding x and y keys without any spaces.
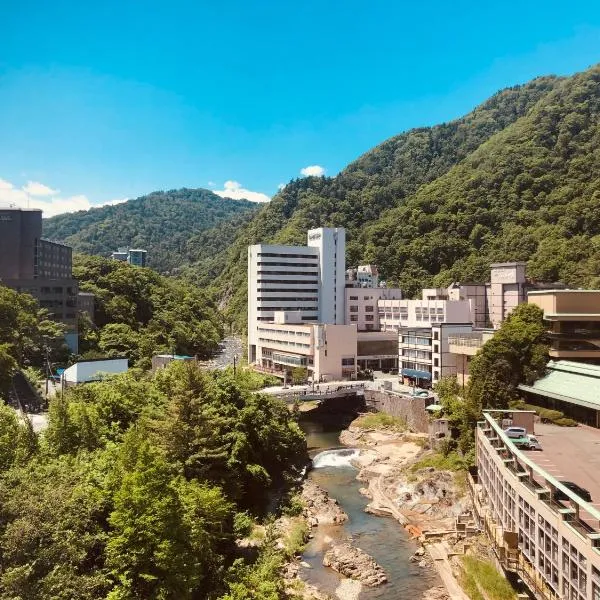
{"x":465,"y":341}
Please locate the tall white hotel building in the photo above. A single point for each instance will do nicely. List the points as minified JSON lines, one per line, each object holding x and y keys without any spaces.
{"x":307,"y":280}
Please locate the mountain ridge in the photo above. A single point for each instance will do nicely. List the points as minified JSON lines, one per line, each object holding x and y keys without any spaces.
{"x":162,"y":222}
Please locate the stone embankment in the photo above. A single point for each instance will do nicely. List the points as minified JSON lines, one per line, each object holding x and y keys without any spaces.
{"x":352,"y":562}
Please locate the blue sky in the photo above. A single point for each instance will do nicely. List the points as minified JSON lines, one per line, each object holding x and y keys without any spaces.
{"x":110,"y":100}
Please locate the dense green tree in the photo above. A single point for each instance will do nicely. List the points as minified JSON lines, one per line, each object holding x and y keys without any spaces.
{"x":51,"y":532}
{"x":216,"y":429}
{"x":516,"y":354}
{"x":161,"y":527}
{"x":139,"y":313}
{"x":26,"y":330}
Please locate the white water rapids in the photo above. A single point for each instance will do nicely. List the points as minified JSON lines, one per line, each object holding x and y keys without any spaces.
{"x":342,"y":457}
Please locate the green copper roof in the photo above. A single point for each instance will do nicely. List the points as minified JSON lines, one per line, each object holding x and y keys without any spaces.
{"x":569,"y":381}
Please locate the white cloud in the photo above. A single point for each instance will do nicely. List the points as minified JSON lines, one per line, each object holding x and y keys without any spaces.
{"x":32,"y":195}
{"x":313,"y":171}
{"x":35,"y":188}
{"x":211,"y":184}
{"x":281,"y":186}
{"x":112,"y":202}
{"x":235,"y":191}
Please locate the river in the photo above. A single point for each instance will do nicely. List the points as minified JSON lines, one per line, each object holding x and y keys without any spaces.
{"x":381,"y":537}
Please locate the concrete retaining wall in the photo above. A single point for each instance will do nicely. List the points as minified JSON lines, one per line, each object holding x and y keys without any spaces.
{"x":412,"y":410}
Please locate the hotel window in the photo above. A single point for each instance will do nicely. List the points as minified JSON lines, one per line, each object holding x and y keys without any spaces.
{"x":369,"y":317}
{"x":353,"y":297}
{"x":354,"y":318}
{"x":368,"y":309}
{"x":353,"y":309}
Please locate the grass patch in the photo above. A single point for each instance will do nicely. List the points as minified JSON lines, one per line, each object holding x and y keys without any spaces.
{"x":481,"y":581}
{"x":380,"y":420}
{"x":296,"y":538}
{"x":441,"y":462}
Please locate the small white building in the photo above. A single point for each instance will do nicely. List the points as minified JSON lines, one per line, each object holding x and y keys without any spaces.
{"x":93,"y":370}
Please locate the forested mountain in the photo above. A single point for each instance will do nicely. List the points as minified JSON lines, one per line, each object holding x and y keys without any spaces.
{"x":381,"y":179}
{"x":516,"y":179}
{"x":161,"y":222}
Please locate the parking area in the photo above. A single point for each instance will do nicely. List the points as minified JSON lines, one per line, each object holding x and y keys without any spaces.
{"x":570,"y":454}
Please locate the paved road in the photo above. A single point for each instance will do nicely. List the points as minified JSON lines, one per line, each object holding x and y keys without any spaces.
{"x":571,"y":454}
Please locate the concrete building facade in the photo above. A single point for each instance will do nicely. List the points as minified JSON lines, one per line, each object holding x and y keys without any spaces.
{"x":573,"y":321}
{"x":363,"y":305}
{"x":326,"y":351}
{"x":307,"y":280}
{"x":31,"y":264}
{"x":553,"y":545}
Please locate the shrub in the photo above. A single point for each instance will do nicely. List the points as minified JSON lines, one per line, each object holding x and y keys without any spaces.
{"x":566,"y":422}
{"x":450,"y":462}
{"x":243,"y":524}
{"x":296,"y":539}
{"x":294,"y":506}
{"x":547,"y":414}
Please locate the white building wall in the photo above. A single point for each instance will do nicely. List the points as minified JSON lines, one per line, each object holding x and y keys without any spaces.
{"x":83,"y":372}
{"x":330,"y":244}
{"x":335,"y":345}
{"x":362,"y":306}
{"x":394,"y":314}
{"x":444,"y":363}
{"x":281,"y":278}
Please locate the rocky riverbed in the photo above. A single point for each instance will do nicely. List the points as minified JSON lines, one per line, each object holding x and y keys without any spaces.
{"x":420,"y":499}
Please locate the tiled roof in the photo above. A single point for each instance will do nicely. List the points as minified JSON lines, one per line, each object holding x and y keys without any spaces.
{"x":577,"y":383}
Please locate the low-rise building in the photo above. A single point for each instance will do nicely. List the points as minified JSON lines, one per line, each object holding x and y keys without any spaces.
{"x":377,"y":350}
{"x":464,"y":346}
{"x":570,"y":387}
{"x":87,"y":371}
{"x":540,"y":529}
{"x":133,"y":256}
{"x":137,"y":257}
{"x":363,"y":306}
{"x":366,"y":276}
{"x":327,"y":351}
{"x":160,"y":361}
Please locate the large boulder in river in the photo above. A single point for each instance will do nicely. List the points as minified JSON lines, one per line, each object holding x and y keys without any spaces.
{"x":321,"y":508}
{"x":354,"y":563}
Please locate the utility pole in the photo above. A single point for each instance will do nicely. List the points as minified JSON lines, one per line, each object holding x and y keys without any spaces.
{"x":234,"y":361}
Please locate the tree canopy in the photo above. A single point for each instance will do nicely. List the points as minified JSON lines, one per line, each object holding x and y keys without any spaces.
{"x":160,"y":222}
{"x":139,"y":313}
{"x":136,"y":488}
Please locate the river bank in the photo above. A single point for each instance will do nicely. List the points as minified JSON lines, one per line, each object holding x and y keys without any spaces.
{"x":422,"y":499}
{"x":334,"y":537}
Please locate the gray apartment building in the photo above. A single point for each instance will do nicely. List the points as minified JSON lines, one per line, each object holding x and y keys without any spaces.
{"x":29,"y":263}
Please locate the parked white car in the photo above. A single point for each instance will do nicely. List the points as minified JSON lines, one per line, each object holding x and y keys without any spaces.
{"x":516,"y":432}
{"x":534,"y":443}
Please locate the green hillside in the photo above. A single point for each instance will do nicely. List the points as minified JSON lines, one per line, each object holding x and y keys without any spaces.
{"x":161,"y":222}
{"x":384,"y":178}
{"x":531,"y":193}
{"x":139,"y":313}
